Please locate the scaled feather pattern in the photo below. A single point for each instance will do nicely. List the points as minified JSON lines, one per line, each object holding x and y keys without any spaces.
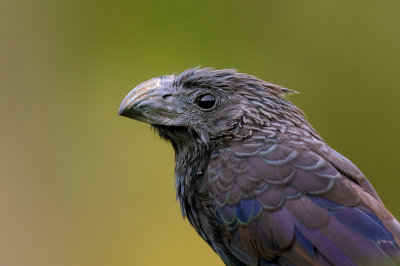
{"x":256,"y":181}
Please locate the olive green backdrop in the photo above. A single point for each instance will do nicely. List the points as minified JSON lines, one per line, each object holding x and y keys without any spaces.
{"x":80,"y":185}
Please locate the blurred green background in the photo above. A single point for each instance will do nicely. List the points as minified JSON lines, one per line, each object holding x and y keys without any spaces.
{"x":82,"y":186}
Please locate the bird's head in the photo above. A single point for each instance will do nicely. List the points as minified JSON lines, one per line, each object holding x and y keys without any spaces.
{"x":206,"y":105}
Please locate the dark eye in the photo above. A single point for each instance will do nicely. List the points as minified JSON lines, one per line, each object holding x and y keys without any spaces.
{"x":206,"y":101}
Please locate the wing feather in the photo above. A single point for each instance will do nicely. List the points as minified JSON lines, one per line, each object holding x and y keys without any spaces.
{"x":290,"y":204}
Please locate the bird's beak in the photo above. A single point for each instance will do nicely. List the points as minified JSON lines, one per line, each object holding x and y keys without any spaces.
{"x":152,"y":102}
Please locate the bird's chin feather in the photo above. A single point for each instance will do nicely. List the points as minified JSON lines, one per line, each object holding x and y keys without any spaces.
{"x":202,"y":136}
{"x":176,"y":134}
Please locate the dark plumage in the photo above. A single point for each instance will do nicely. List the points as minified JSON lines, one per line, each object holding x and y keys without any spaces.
{"x":256,"y":180}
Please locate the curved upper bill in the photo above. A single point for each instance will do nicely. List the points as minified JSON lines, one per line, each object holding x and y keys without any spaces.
{"x":152,"y":102}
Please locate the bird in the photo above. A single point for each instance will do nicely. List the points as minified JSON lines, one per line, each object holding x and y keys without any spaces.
{"x":255,"y":179}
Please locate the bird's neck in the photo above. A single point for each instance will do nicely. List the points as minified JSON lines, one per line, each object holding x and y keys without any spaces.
{"x":190,"y":165}
{"x":191,"y":159}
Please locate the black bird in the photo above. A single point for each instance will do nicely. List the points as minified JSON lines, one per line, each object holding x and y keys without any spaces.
{"x":255,"y":179}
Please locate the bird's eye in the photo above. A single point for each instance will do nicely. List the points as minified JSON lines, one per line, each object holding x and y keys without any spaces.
{"x":206,"y":101}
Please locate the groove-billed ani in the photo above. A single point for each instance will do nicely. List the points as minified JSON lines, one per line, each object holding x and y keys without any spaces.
{"x":254,"y":178}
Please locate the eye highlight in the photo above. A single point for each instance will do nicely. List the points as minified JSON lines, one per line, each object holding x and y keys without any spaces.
{"x":205,"y":101}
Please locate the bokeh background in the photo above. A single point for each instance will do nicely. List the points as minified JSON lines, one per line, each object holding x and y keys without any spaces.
{"x":80,"y":185}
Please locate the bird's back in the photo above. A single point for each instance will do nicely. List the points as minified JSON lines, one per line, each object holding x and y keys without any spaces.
{"x":292,"y":200}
